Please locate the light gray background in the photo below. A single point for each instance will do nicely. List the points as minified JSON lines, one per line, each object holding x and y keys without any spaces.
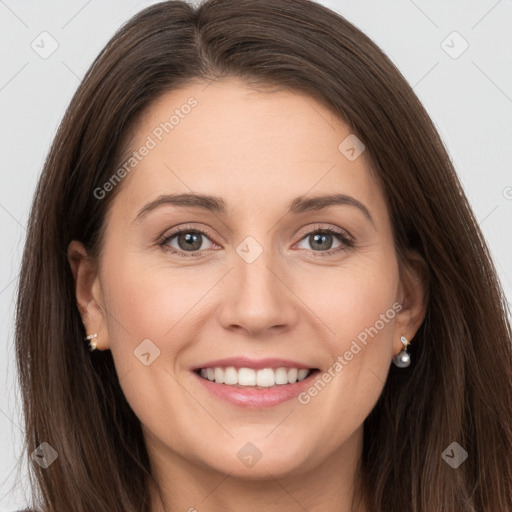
{"x":469,"y":99}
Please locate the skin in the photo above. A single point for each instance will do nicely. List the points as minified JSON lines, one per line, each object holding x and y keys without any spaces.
{"x":258,"y":150}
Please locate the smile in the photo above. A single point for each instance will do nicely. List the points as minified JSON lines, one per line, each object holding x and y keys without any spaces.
{"x":249,"y":377}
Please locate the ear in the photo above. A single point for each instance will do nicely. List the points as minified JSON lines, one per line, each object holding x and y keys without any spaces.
{"x":413,"y":296}
{"x":88,"y":293}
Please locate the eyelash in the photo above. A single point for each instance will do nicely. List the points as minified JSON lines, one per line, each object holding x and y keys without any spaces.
{"x":347,"y":243}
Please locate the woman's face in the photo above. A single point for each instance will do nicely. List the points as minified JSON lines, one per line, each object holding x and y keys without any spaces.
{"x":253,"y":283}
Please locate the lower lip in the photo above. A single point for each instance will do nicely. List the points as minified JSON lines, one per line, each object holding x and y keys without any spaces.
{"x":256,"y":398}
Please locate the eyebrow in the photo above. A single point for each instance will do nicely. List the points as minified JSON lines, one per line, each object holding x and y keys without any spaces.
{"x":216,"y":204}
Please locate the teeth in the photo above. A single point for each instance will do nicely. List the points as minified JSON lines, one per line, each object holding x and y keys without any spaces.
{"x":265,"y":377}
{"x":281,"y":376}
{"x":302,"y":374}
{"x":230,"y":376}
{"x":246,"y":377}
{"x":292,"y":374}
{"x":219,"y":375}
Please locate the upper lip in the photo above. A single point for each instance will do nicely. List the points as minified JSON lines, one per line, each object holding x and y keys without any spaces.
{"x":256,"y":364}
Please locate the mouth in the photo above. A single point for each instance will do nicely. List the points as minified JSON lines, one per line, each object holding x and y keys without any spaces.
{"x":250,"y":378}
{"x":254,"y":383}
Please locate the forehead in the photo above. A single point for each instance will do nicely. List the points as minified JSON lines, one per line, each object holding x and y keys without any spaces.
{"x":257,"y":149}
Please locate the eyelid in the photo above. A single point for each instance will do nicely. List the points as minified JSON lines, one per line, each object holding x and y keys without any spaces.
{"x":185,"y":227}
{"x":322,"y":227}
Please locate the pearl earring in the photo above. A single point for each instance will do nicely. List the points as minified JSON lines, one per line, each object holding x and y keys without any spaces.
{"x":92,"y":343}
{"x":403,"y":358}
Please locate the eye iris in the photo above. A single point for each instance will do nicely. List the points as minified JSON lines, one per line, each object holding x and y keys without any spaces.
{"x":318,"y":238}
{"x":191,"y":241}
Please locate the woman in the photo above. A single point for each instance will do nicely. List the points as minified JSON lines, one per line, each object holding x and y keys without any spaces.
{"x":235,"y":362}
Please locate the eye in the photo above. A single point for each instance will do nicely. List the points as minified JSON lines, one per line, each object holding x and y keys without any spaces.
{"x":321,"y":241}
{"x":188,"y":240}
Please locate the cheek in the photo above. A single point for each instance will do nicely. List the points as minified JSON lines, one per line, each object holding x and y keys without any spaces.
{"x":359,"y":313}
{"x":142,"y":306}
{"x":146,"y":305}
{"x":354,"y":299}
{"x":149,"y":299}
{"x":365,"y":310}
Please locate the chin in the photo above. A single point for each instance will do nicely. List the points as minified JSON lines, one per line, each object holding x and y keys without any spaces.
{"x":261,"y":461}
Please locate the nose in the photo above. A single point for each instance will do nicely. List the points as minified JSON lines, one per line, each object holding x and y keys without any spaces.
{"x":257,"y":297}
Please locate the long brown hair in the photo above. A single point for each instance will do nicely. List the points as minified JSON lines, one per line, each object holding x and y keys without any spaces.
{"x":459,"y":385}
